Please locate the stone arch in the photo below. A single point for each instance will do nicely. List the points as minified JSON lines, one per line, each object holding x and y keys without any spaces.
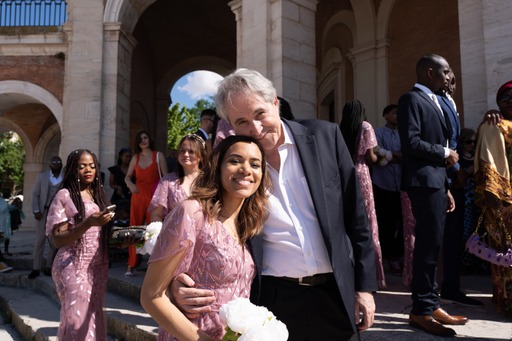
{"x":12,"y":126}
{"x":127,"y":12}
{"x":40,"y":149}
{"x":209,"y":63}
{"x":383,"y":17}
{"x":36,"y":93}
{"x":329,"y":92}
{"x":343,"y":17}
{"x":364,"y":15}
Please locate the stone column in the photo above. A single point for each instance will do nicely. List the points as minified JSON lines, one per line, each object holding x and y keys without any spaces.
{"x":82,"y":99}
{"x":485,"y":42}
{"x":363,"y":59}
{"x":282,"y":48}
{"x":115,"y":119}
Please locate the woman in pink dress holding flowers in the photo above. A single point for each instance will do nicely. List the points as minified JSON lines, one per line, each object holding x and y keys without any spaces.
{"x":175,"y":187}
{"x":206,"y":237}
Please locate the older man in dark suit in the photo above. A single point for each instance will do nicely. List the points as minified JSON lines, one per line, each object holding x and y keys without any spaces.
{"x":424,"y":134}
{"x":315,"y":260}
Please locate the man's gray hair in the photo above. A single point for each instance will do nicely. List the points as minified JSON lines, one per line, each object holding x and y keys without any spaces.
{"x":243,"y":81}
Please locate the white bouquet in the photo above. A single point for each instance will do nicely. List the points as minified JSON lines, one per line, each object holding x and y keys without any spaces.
{"x":150,"y":236}
{"x":248,"y":322}
{"x":383,"y":155}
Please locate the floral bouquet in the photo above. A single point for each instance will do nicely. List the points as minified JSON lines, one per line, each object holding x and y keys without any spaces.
{"x":150,"y":236}
{"x":248,"y":322}
{"x":383,"y":155}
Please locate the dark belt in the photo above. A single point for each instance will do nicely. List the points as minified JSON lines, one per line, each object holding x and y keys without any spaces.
{"x":317,"y":279}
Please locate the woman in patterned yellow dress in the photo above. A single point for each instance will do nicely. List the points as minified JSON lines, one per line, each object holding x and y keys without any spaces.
{"x":493,"y":159}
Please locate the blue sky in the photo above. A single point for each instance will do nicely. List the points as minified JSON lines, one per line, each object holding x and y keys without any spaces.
{"x":194,"y":86}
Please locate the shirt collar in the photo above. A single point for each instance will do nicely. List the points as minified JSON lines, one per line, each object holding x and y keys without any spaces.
{"x":288,"y":138}
{"x":424,"y":89}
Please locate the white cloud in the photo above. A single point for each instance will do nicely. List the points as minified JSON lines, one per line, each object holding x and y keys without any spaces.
{"x":200,"y":84}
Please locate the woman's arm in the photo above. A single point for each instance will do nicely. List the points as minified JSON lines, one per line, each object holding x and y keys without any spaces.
{"x":163,"y":163}
{"x":156,"y":303}
{"x":62,"y":233}
{"x":157,"y":214}
{"x":129,"y":174}
{"x":371,"y":157}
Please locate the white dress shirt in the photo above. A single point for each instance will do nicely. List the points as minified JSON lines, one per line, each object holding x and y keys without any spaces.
{"x":292,"y":240}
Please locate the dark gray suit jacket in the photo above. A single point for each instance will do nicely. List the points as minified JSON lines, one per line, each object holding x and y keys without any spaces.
{"x":339,"y":207}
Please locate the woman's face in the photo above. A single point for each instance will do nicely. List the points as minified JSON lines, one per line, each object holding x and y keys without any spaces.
{"x":469,"y":144}
{"x":144,"y":141}
{"x":505,"y":104}
{"x":126,"y":157}
{"x":86,"y":169}
{"x":241,"y":170}
{"x":187,"y":157}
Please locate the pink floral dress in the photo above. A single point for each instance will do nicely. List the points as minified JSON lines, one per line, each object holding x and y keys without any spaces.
{"x":168,"y":193}
{"x":213,"y":258}
{"x":80,"y":273}
{"x":365,"y":141}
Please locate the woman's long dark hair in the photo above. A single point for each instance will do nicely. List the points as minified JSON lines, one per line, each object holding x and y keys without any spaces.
{"x":136,"y":147}
{"x":208,"y":190}
{"x":71,"y":181}
{"x":351,"y":123}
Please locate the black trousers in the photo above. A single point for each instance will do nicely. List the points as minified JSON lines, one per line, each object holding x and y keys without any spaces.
{"x":429,"y":209}
{"x":388,"y":208}
{"x":310,"y":312}
{"x":453,"y":245}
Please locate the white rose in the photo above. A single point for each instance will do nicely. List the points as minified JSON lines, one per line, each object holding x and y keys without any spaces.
{"x":272,"y":330}
{"x":240,"y":314}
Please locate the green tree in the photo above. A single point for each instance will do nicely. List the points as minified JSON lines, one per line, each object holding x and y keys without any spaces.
{"x":201,"y":105}
{"x":182,"y":120}
{"x":12,"y":156}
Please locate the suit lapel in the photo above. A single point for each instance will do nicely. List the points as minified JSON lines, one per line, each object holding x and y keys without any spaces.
{"x":308,"y":152}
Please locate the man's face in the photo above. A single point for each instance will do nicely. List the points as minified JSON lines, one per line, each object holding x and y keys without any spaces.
{"x":440,"y":75}
{"x":56,"y":164}
{"x":251,"y":115}
{"x":391,"y":117}
{"x":207,"y":123}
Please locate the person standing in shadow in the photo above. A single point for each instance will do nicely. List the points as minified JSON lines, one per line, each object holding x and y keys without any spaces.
{"x":47,"y":184}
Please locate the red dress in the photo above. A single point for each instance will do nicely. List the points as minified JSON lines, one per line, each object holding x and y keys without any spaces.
{"x":146,"y":180}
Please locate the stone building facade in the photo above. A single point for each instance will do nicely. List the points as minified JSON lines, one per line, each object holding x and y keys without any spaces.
{"x":109,"y":69}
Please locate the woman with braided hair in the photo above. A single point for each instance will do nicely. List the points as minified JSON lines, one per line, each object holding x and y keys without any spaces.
{"x":78,"y":225}
{"x":361,"y":141}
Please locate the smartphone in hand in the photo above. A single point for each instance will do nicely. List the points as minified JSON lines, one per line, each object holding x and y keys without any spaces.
{"x":111,"y":208}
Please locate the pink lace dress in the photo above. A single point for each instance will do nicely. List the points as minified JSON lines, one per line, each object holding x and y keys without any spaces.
{"x":213,"y":258}
{"x":80,"y":273}
{"x":365,"y":141}
{"x":168,"y":193}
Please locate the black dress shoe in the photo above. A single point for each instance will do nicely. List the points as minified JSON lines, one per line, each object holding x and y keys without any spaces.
{"x":429,"y":325}
{"x":461,"y":298}
{"x":33,"y":274}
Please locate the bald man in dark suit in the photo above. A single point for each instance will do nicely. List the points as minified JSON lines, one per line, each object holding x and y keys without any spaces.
{"x":424,"y":134}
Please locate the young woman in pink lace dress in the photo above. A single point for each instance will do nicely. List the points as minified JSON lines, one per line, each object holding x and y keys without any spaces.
{"x":206,"y":237}
{"x":174,"y":187}
{"x":76,"y":224}
{"x":360,"y":139}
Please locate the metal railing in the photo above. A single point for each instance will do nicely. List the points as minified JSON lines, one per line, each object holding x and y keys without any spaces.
{"x":16,"y":13}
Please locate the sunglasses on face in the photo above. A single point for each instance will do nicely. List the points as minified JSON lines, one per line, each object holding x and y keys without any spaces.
{"x":56,"y":162}
{"x":505,"y":98}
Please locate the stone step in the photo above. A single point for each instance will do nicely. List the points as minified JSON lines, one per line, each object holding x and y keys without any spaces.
{"x":19,"y":296}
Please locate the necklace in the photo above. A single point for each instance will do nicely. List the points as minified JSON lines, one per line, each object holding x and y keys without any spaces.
{"x":230,"y":226}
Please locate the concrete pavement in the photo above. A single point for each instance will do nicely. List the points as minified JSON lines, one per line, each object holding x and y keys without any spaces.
{"x":393,"y":304}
